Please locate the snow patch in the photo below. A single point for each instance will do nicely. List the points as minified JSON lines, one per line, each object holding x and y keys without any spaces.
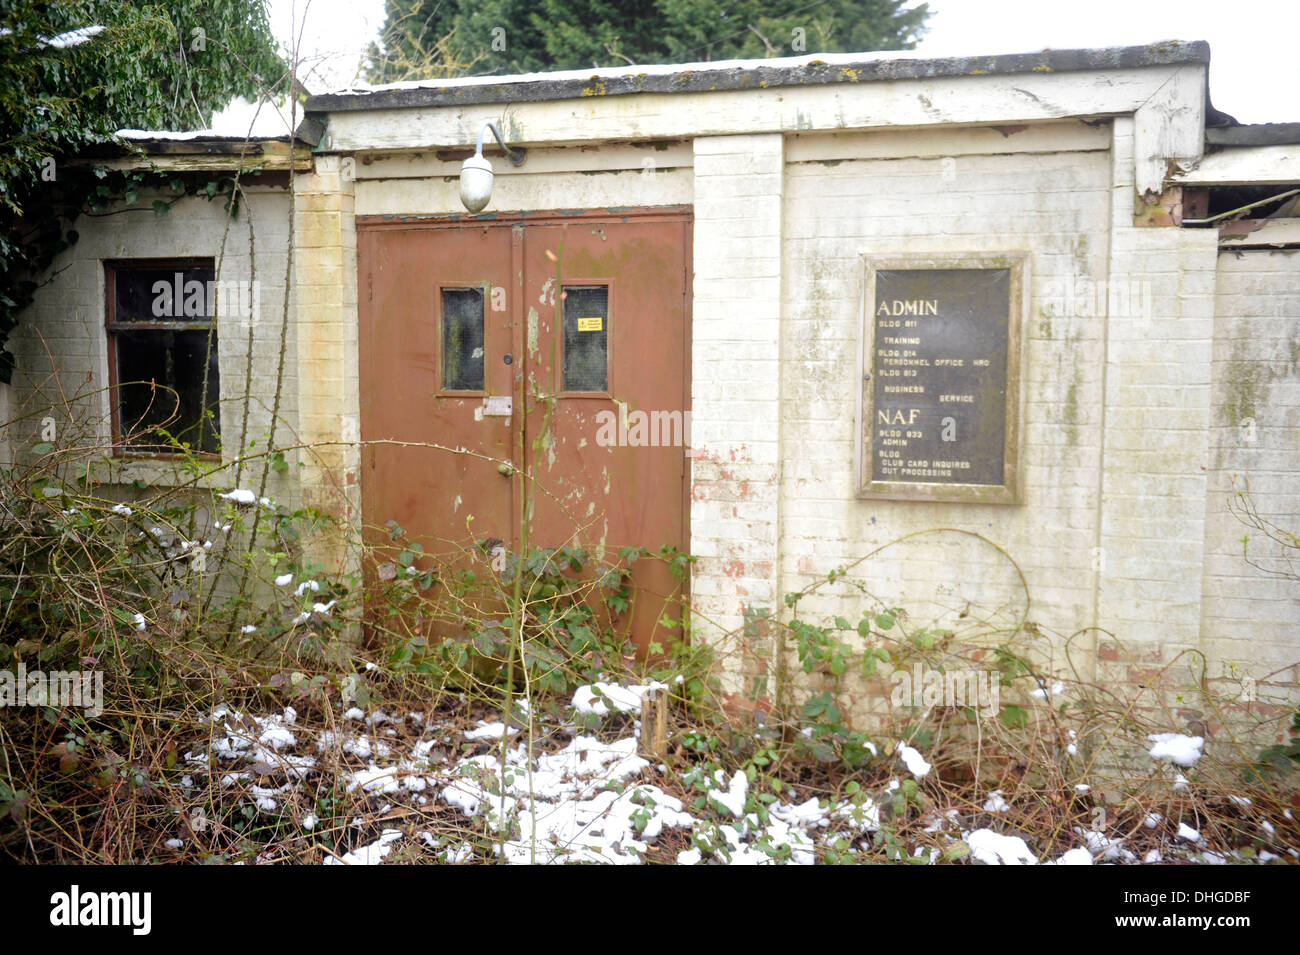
{"x":993,"y":848}
{"x":914,"y":761}
{"x":1177,"y":748}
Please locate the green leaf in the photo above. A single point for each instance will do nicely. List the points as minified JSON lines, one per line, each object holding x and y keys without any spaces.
{"x":885,"y":621}
{"x":42,"y":448}
{"x":1013,"y":717}
{"x":161,"y":207}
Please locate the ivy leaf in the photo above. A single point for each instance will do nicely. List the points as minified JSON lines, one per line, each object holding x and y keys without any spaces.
{"x":161,"y":207}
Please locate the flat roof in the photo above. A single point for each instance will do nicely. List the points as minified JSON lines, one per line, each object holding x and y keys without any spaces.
{"x":810,"y":70}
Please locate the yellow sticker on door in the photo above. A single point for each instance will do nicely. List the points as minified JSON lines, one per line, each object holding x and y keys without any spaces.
{"x":593,"y":324}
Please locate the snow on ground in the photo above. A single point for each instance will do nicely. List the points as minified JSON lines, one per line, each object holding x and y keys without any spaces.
{"x":599,"y":699}
{"x":993,"y":848}
{"x":371,"y":854}
{"x":591,"y":799}
{"x":1177,"y":748}
{"x":996,"y":802}
{"x":1078,"y":856}
{"x":915,"y":762}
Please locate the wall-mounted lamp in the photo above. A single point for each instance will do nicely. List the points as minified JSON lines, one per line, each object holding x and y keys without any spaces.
{"x":476,"y":172}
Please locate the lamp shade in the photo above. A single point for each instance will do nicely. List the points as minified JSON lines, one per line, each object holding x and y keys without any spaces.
{"x":475,"y":183}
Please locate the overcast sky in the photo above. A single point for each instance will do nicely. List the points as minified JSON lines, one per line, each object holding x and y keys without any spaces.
{"x":1254,"y":44}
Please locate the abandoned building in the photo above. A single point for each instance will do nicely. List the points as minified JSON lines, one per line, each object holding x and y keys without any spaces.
{"x":1016,"y":328}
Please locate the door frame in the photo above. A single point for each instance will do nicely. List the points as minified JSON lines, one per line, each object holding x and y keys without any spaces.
{"x":616,"y":214}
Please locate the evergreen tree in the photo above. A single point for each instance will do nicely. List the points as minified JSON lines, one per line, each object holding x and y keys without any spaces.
{"x":438,"y":38}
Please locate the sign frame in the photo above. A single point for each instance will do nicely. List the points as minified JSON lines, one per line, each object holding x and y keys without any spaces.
{"x":1010,"y":491}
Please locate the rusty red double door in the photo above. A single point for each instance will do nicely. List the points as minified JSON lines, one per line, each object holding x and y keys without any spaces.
{"x":553,"y":349}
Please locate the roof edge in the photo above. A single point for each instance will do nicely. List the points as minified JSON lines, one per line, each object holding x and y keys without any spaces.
{"x":754,"y":74}
{"x":1257,"y":134}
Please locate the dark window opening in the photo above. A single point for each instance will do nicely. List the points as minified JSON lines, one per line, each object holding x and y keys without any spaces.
{"x":163,"y":354}
{"x":1277,"y":201}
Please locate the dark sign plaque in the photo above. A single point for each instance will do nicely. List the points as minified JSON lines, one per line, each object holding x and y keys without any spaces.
{"x":940,"y":378}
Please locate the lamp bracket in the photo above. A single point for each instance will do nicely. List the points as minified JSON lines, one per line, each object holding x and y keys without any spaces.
{"x":515,"y":156}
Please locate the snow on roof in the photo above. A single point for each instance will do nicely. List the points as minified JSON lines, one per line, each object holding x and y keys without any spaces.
{"x":63,"y":40}
{"x":169,"y":134}
{"x":73,"y":37}
{"x":807,"y":69}
{"x":614,"y":72}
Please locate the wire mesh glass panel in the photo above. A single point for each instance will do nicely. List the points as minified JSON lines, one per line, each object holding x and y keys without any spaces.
{"x":462,"y":339}
{"x":586,"y":338}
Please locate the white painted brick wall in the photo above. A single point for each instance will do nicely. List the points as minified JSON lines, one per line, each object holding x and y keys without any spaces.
{"x":325,"y":318}
{"x":1055,"y":205}
{"x":1122,"y":526}
{"x":61,"y":344}
{"x":735,"y":400}
{"x":1157,"y":406}
{"x":1249,"y":617}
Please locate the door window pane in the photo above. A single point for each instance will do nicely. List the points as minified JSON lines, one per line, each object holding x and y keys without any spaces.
{"x":462,"y":339}
{"x":586,"y":338}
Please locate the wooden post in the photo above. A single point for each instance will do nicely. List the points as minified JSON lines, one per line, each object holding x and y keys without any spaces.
{"x":654,"y":724}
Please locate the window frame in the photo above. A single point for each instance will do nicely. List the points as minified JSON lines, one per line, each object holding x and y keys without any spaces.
{"x":122,"y":449}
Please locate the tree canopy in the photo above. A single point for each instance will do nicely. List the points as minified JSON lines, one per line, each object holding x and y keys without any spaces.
{"x":434,"y":38}
{"x":64,"y":84}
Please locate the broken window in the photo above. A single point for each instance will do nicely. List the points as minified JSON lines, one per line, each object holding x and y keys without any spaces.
{"x":462,"y":339}
{"x":586,"y":338}
{"x":162,"y":353}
